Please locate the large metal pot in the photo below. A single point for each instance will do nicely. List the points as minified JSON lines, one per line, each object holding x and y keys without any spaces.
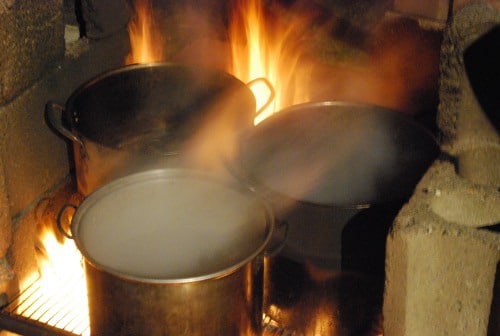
{"x":140,"y":117}
{"x":173,"y":252}
{"x":320,"y":163}
{"x":337,"y":153}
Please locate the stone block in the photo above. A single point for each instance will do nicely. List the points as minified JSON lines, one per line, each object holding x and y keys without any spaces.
{"x":436,"y":9}
{"x":432,"y":9}
{"x":23,"y":254}
{"x":466,"y":131}
{"x":35,"y":157}
{"x":31,"y":41}
{"x":102,"y":19}
{"x":459,"y":4}
{"x":5,"y":223}
{"x":440,"y":274}
{"x":463,"y":124}
{"x":443,"y":254}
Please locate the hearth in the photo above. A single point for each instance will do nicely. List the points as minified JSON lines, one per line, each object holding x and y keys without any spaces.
{"x":438,"y":273}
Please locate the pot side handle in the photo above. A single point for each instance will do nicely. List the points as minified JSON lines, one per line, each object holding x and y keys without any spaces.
{"x":271,"y":96}
{"x":60,"y":217}
{"x":278,"y":239}
{"x":54,"y":113}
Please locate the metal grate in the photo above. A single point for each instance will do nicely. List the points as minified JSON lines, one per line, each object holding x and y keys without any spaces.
{"x":41,"y":311}
{"x":38,"y":312}
{"x":272,"y":328}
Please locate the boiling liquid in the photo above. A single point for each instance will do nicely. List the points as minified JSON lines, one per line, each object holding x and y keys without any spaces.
{"x":171,"y":228}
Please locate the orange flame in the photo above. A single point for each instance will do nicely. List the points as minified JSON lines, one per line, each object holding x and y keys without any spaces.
{"x":269,"y":44}
{"x":59,"y":298}
{"x":145,"y":39}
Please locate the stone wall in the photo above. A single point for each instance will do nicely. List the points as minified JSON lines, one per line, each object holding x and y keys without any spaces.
{"x":27,"y":28}
{"x":41,"y":60}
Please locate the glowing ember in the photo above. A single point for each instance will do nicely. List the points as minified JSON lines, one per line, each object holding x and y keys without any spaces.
{"x":145,"y":39}
{"x":268,"y":44}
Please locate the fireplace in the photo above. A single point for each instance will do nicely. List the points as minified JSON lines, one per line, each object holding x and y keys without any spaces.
{"x":443,"y":249}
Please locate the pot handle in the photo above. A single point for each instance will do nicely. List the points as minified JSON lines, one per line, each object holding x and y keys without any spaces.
{"x":270,"y":87}
{"x":278,"y":239}
{"x":59,"y":220}
{"x":54,"y":113}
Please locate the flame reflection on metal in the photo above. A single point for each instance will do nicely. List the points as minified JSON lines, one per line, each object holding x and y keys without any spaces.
{"x":62,"y":312}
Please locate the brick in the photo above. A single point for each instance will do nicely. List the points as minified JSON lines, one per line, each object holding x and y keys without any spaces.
{"x":31,"y":40}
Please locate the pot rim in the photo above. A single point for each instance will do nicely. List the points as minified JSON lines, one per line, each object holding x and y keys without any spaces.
{"x":71,"y":115}
{"x":384,"y":113}
{"x":137,"y":66}
{"x":169,"y":173}
{"x":395,"y":114}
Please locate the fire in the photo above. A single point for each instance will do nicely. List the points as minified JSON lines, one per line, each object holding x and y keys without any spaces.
{"x":64,"y":267}
{"x":269,"y":44}
{"x":145,"y":39}
{"x":59,"y":296}
{"x":264,"y":43}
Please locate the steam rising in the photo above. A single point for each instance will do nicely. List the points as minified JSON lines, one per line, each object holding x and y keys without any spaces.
{"x":146,"y":41}
{"x":294,"y":46}
{"x":324,"y":154}
{"x":169,"y":226}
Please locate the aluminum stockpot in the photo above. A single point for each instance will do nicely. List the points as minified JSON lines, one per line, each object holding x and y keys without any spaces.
{"x":320,"y":163}
{"x":173,"y":252}
{"x":141,"y":116}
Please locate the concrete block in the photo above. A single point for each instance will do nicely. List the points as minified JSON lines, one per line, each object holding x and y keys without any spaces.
{"x":432,"y":9}
{"x":463,"y":124}
{"x":104,"y":18}
{"x":460,"y":4}
{"x":443,"y":255}
{"x":6,"y":272}
{"x":23,"y":253}
{"x":467,"y":133}
{"x":31,"y":40}
{"x":5,"y":222}
{"x":35,"y":157}
{"x":440,"y":274}
{"x":458,"y":200}
{"x":436,"y":9}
